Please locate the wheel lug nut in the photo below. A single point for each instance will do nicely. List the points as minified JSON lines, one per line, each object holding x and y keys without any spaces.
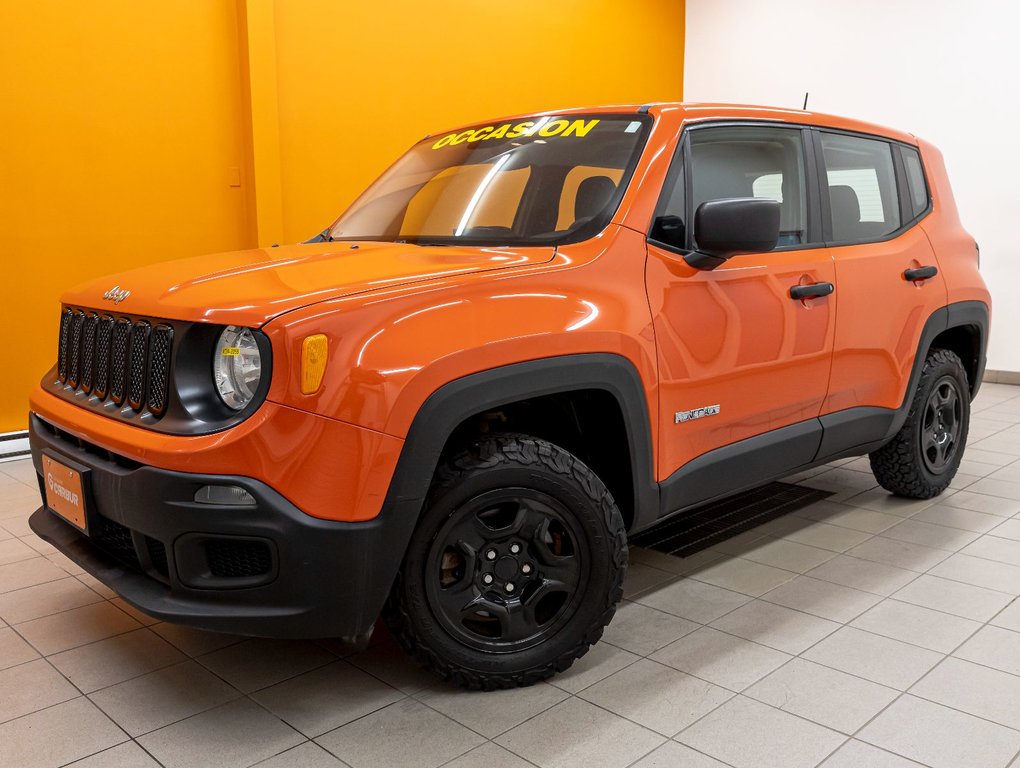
{"x":509,"y":587}
{"x":487,"y":578}
{"x":526,"y":568}
{"x":490,"y":555}
{"x":515,"y":548}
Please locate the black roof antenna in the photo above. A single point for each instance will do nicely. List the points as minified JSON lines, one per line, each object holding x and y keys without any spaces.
{"x":805,"y":100}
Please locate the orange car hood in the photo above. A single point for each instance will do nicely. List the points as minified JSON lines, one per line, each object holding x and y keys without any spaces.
{"x":251,"y":287}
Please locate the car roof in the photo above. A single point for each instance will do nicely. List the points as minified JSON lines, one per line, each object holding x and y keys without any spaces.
{"x":704,"y":111}
{"x":693,"y":111}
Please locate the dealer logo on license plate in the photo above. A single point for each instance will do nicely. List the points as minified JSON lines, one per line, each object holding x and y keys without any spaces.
{"x":64,"y":492}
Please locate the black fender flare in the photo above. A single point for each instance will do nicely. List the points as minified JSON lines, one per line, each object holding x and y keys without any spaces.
{"x":859,"y":430}
{"x":461,"y":398}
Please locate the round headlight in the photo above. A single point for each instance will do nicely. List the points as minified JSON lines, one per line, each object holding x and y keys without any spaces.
{"x":237,"y":366}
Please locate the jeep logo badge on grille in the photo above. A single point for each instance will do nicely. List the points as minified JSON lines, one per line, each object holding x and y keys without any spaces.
{"x":116,"y":294}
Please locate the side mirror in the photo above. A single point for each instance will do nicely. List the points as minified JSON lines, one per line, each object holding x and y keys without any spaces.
{"x":724,"y":228}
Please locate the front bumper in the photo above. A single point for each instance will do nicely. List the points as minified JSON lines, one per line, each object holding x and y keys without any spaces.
{"x":268,"y":570}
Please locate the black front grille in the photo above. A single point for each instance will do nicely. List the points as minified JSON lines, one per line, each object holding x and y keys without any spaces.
{"x":157,"y":554}
{"x":231,"y":559}
{"x":104,"y":335}
{"x":65,"y":329}
{"x":159,"y":367}
{"x":74,"y":353}
{"x":113,"y":538}
{"x":120,"y":359}
{"x":88,"y":352}
{"x":118,"y":541}
{"x":139,"y":359}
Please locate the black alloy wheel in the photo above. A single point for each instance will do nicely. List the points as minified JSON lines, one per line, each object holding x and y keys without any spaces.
{"x":515,"y":567}
{"x":940,"y":425}
{"x":506,"y":570}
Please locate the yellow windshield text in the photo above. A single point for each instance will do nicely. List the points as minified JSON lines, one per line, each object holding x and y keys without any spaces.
{"x":545,"y":128}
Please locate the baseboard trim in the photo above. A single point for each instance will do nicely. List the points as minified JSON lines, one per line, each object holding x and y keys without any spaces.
{"x":1002,"y":377}
{"x":13,"y":445}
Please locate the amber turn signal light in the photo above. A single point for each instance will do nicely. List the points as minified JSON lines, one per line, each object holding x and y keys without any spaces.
{"x":314,"y":352}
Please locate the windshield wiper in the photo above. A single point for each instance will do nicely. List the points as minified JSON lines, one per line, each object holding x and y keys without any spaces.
{"x":322,"y":237}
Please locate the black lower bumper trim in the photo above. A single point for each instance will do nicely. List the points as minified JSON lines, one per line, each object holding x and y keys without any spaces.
{"x":316,"y":578}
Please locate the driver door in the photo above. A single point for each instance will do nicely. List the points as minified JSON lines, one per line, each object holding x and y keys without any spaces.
{"x":743,"y":367}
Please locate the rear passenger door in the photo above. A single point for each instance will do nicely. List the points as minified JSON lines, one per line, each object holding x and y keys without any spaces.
{"x":872,"y":196}
{"x":739,"y":357}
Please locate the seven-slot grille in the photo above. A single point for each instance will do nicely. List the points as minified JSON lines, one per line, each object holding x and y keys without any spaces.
{"x":116,"y":358}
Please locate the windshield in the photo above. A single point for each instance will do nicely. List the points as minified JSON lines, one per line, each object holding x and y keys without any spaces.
{"x":544,"y":181}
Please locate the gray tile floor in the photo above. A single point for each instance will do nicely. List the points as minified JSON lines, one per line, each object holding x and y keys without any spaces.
{"x":865,"y":630}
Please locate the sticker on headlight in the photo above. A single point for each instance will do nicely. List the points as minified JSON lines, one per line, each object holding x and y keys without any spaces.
{"x":230,"y":351}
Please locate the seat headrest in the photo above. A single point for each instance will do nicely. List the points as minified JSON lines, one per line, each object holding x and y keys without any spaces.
{"x":593,"y":194}
{"x":846,"y":212}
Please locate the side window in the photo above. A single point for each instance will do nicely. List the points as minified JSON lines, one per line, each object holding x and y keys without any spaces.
{"x":915,"y":180}
{"x":753,"y":161}
{"x":863,"y":202}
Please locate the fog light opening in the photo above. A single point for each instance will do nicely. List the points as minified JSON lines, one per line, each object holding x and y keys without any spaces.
{"x":224,"y":494}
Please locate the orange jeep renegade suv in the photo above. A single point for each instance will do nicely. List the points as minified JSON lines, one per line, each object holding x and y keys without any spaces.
{"x":529,"y":338}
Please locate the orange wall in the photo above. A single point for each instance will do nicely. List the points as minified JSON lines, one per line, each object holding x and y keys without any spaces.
{"x":138,"y":132}
{"x":120,"y":125}
{"x":360,"y":82}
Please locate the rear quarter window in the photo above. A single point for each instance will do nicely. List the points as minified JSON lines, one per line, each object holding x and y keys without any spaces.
{"x":916,"y":185}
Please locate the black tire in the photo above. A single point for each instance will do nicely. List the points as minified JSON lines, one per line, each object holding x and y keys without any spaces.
{"x":922,"y":459}
{"x":451,"y":608}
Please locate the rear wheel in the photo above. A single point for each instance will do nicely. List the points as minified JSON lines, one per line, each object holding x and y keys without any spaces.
{"x":922,"y":459}
{"x":515,"y":568}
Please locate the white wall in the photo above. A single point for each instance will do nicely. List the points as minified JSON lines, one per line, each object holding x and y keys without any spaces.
{"x":946,"y":71}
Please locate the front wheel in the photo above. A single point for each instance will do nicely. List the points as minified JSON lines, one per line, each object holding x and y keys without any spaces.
{"x":921,"y":460}
{"x":515,"y":568}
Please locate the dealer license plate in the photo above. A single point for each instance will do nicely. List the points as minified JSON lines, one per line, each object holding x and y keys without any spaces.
{"x":65,"y":493}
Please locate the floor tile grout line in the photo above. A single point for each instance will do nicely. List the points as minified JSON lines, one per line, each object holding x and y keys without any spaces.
{"x":99,"y":752}
{"x":87,"y":605}
{"x":55,"y":704}
{"x":262,"y":760}
{"x":241,"y":695}
{"x":499,"y":746}
{"x":933,"y":668}
{"x":404,"y":697}
{"x":648,"y":728}
{"x":188,"y":658}
{"x":415,"y":696}
{"x":133,"y":677}
{"x":100,"y":599}
{"x":918,"y":573}
{"x":762,"y":597}
{"x":957,"y":709}
{"x":604,"y":709}
{"x":45,"y":657}
{"x":741,"y":694}
{"x":881,"y":535}
{"x":119,"y":744}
